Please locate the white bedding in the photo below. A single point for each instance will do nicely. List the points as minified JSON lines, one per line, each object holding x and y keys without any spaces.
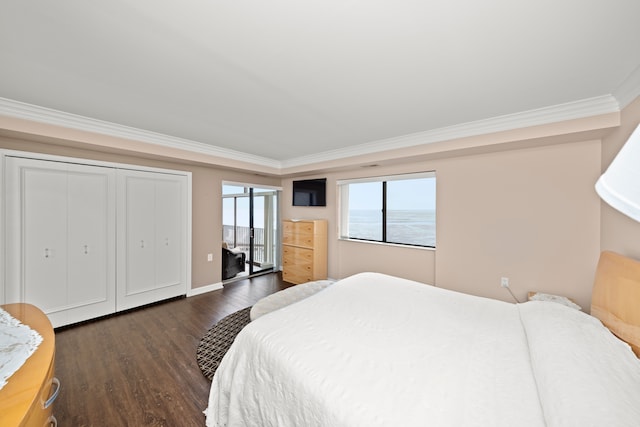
{"x":374,"y":350}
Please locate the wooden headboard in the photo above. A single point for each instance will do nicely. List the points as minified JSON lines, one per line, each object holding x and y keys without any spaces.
{"x":616,"y":297}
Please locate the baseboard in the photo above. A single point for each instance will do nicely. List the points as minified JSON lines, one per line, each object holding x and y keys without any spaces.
{"x":204,"y":289}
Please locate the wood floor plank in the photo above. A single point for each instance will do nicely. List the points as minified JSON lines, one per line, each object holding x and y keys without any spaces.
{"x":139,"y":368}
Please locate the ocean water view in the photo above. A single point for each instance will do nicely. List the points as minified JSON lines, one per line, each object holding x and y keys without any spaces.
{"x":415,"y":227}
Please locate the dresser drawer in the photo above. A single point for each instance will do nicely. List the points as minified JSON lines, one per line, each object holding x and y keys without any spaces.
{"x":294,"y":276}
{"x":298,"y":227}
{"x":298,"y":233}
{"x":292,"y":255}
{"x":41,"y":411}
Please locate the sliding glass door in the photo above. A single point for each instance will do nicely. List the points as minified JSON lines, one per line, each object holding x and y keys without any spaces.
{"x":249,"y":222}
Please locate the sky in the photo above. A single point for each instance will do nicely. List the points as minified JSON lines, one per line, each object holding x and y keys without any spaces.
{"x":243,"y":208}
{"x":410,"y":194}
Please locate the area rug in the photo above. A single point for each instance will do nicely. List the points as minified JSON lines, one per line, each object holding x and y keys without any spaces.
{"x":215,"y":343}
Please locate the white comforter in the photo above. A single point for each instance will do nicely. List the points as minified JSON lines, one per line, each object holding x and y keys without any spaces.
{"x":374,"y":350}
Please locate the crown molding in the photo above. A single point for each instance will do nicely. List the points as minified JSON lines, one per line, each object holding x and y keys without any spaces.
{"x":21,"y":110}
{"x":629,"y":89}
{"x":557,"y":113}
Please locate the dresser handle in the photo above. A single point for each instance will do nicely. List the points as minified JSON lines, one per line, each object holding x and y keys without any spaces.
{"x":51,"y":422}
{"x":56,"y":382}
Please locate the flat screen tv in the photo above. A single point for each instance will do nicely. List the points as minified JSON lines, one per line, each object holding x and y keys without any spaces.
{"x":310,"y":192}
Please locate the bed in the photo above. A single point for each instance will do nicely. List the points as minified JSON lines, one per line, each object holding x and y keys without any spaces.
{"x":376,"y":350}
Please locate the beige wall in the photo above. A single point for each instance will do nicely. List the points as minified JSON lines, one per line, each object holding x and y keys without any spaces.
{"x":528,"y":214}
{"x":524,"y":209}
{"x":206,"y":198}
{"x":531,"y":215}
{"x":620,"y":233}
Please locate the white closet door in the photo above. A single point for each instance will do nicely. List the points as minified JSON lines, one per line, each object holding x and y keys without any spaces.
{"x":44,"y":227}
{"x":151,"y":237}
{"x":140,"y":235}
{"x":169,"y":224}
{"x":61,"y":218}
{"x":91,"y":238}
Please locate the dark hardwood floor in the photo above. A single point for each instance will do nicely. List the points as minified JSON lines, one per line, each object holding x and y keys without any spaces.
{"x":139,"y":368}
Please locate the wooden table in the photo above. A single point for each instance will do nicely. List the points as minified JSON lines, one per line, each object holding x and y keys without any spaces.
{"x":26,"y":400}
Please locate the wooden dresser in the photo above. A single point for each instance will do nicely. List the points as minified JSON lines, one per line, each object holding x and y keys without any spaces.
{"x":27,"y":398}
{"x":304,"y":250}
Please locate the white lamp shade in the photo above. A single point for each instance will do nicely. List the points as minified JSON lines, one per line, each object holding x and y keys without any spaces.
{"x":619,"y":186}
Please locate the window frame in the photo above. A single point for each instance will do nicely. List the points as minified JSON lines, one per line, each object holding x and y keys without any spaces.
{"x":343,"y":206}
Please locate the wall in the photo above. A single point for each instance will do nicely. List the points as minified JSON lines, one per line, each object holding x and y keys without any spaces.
{"x":206,"y":198}
{"x":620,"y":233}
{"x":346,"y":258}
{"x":525,"y":210}
{"x":531,"y":215}
{"x":528,"y":214}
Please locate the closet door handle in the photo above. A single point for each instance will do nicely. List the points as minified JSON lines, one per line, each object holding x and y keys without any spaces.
{"x":142,"y":244}
{"x":46,"y":252}
{"x":86,"y":249}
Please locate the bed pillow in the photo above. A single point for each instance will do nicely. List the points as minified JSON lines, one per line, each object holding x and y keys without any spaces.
{"x":585,"y":375}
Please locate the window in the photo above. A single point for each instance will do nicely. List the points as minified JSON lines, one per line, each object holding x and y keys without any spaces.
{"x":398,"y":209}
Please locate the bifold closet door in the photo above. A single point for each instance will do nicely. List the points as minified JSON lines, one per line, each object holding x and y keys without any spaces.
{"x":61,"y":238}
{"x":152,"y":237}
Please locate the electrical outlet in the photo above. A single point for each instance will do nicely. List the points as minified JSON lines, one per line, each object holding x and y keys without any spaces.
{"x":209,"y":257}
{"x":504,"y":282}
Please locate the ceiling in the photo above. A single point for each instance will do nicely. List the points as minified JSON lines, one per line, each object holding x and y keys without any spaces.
{"x":287,"y":81}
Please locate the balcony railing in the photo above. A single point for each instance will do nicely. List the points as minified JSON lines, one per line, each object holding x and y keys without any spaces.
{"x":238,"y":237}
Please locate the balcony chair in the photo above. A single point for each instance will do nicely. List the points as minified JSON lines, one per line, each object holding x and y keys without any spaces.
{"x":233,"y":261}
